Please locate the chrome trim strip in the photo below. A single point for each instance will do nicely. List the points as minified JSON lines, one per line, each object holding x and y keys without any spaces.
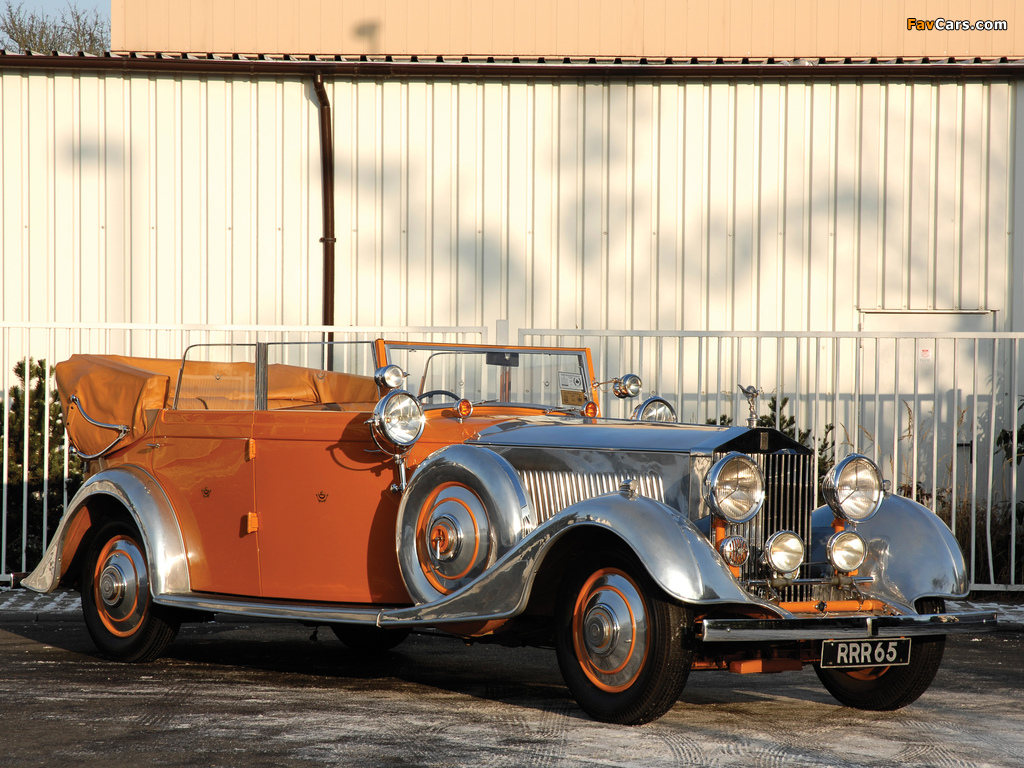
{"x":843,"y":627}
{"x":265,"y":609}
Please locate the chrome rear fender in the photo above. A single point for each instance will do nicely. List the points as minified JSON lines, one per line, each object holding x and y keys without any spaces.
{"x":142,"y":498}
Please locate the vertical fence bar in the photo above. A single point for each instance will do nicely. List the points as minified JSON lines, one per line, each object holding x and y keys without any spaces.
{"x":1014,"y":435}
{"x":26,"y":397}
{"x":6,"y":448}
{"x":974,"y":467}
{"x":954,"y":490}
{"x":991,"y":457}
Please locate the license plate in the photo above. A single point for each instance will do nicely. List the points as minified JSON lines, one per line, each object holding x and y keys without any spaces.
{"x":865,"y":653}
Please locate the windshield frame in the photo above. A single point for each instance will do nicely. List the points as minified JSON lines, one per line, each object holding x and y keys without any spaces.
{"x":579,"y":355}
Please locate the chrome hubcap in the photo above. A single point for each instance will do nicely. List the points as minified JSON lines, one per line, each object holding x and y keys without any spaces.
{"x":112,"y":586}
{"x":445,"y":539}
{"x":610,"y":628}
{"x":600,"y":630}
{"x":121,"y":586}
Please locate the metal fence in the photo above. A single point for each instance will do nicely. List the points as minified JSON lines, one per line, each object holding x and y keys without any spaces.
{"x":39,"y":472}
{"x":940,"y":415}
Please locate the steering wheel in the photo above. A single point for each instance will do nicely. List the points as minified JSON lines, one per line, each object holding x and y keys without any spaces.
{"x":433,"y":392}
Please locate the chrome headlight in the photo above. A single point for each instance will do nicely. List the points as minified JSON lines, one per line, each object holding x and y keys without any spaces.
{"x":397,"y":421}
{"x":654,"y":409}
{"x":389,"y":377}
{"x":734,"y":488}
{"x":854,"y":488}
{"x":784,"y":552}
{"x":846,"y":551}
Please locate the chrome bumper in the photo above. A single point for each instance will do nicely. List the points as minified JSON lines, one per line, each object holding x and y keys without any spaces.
{"x":845,"y":627}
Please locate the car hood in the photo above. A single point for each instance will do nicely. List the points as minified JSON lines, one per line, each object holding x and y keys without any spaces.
{"x":628,"y":435}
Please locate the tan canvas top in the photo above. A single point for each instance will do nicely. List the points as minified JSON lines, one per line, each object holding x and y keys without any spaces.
{"x":118,"y":390}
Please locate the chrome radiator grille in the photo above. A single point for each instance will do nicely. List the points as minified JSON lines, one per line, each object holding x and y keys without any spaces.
{"x":553,"y":491}
{"x":789,"y":502}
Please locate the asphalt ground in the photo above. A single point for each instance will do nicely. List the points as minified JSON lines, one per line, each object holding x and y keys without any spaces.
{"x":276,"y":694}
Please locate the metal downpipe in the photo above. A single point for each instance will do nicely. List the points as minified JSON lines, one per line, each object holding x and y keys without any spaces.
{"x":327,"y":194}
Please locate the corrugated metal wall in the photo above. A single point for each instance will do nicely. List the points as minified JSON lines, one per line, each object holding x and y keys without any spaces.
{"x":701,"y":204}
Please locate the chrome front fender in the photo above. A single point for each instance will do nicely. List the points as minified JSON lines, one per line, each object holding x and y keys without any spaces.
{"x":144,"y":499}
{"x":675,"y":554}
{"x":910,"y":553}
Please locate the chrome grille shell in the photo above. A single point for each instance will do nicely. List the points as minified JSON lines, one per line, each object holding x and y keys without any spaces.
{"x":789,"y":501}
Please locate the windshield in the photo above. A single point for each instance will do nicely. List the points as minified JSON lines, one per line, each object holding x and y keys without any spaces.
{"x":555,"y":378}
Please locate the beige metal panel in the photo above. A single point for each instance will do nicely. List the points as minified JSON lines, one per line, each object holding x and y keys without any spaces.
{"x":784,"y":206}
{"x":604,"y":28}
{"x":158,"y":199}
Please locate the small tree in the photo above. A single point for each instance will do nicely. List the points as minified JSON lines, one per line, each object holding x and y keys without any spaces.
{"x":31,"y":479}
{"x":70,"y":30}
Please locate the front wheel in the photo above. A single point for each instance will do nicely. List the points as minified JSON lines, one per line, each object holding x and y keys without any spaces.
{"x":367,"y":638}
{"x":116,"y":602}
{"x":887,"y":688}
{"x":623,"y":648}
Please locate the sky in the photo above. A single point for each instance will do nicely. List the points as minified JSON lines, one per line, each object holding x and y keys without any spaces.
{"x":53,"y":7}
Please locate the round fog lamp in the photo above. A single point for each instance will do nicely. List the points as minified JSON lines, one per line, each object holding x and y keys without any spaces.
{"x":590,"y":409}
{"x":784,"y":552}
{"x":734,"y":550}
{"x":846,"y":551}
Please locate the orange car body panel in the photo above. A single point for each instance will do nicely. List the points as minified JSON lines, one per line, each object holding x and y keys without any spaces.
{"x":292,"y":503}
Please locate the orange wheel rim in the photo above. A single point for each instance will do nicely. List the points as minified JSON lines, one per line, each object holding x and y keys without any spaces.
{"x":462,"y":528}
{"x":120,"y":588}
{"x":610,"y":630}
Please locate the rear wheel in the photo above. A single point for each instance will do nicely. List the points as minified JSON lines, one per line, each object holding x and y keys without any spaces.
{"x":116,"y":601}
{"x":623,"y":648}
{"x":886,"y":688}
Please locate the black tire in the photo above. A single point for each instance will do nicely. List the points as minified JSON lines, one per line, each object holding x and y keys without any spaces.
{"x":119,"y":611}
{"x":367,"y":638}
{"x":881,"y":689}
{"x":608,"y":611}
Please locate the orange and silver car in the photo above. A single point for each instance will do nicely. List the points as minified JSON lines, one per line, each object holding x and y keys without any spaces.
{"x":382,"y":488}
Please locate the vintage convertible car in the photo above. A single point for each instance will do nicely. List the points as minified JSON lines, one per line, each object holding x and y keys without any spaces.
{"x":383,"y":488}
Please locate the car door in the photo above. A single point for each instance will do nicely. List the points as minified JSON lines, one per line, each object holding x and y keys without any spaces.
{"x":202,"y":459}
{"x":326,"y":514}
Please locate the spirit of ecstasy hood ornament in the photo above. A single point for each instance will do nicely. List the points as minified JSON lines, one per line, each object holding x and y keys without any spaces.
{"x":751,"y":393}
